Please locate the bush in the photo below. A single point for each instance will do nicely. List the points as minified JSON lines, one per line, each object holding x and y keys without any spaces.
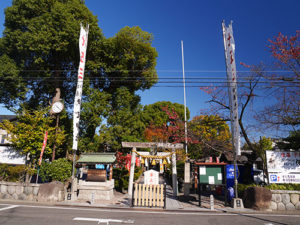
{"x":14,"y":173}
{"x":290,"y":187}
{"x":58,"y":170}
{"x":243,"y":187}
{"x":121,"y":177}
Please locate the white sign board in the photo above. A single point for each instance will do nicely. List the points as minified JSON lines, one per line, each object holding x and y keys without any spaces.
{"x":151,"y":177}
{"x":283,"y":166}
{"x":283,"y":162}
{"x":9,"y":156}
{"x":202,"y":170}
{"x":211,"y":179}
{"x":280,"y":178}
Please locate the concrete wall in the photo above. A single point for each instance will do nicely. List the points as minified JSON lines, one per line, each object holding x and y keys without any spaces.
{"x":285,"y":200}
{"x":19,"y":191}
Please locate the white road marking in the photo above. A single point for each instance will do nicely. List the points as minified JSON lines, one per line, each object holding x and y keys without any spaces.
{"x":156,"y":212}
{"x":107,"y":221}
{"x":9,"y":207}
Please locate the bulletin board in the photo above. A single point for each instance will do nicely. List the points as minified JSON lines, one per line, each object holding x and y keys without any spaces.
{"x":213,"y":175}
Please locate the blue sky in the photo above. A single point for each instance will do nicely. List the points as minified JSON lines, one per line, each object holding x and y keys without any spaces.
{"x":198,"y":24}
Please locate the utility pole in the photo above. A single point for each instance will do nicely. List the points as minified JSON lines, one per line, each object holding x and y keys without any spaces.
{"x":187,"y":179}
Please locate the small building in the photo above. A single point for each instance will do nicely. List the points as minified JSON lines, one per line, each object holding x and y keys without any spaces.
{"x":7,"y":154}
{"x":95,"y":171}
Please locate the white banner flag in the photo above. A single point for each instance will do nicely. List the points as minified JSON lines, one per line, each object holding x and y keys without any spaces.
{"x":232,"y":85}
{"x":83,"y":39}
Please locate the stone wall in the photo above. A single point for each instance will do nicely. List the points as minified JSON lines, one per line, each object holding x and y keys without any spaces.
{"x":19,"y":191}
{"x":285,"y":200}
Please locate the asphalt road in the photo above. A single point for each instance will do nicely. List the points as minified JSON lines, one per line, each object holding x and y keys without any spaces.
{"x":13,"y":214}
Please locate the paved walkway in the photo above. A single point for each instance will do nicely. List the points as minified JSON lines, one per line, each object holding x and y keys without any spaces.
{"x":180,"y":202}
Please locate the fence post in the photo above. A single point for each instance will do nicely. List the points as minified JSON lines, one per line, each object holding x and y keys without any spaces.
{"x":165,"y":195}
{"x":132,"y":196}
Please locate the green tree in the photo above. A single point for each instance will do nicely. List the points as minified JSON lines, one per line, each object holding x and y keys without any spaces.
{"x":40,"y":42}
{"x":124,"y":122}
{"x":260,"y":150}
{"x":211,"y":136}
{"x":154,"y":114}
{"x":291,"y":142}
{"x":27,"y":134}
{"x":39,"y":49}
{"x":164,"y":122}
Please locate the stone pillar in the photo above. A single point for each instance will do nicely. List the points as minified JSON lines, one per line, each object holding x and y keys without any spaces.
{"x":74,"y":189}
{"x":131,"y":175}
{"x":174,"y":173}
{"x":187,"y":178}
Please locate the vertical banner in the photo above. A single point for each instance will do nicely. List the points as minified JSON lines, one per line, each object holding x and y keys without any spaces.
{"x":232,"y":84}
{"x":43,"y":147}
{"x":77,"y":102}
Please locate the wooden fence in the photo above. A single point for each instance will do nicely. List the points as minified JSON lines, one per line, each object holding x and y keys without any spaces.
{"x":145,"y":195}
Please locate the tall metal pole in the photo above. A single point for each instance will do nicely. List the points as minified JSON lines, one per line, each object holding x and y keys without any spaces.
{"x":187,"y":172}
{"x":56,"y":130}
{"x":184,"y":100}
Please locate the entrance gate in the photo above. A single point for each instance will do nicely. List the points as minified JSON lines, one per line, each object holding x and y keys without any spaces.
{"x":135,"y":145}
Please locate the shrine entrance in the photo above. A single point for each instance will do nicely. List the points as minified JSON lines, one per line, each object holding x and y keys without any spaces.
{"x":161,"y":157}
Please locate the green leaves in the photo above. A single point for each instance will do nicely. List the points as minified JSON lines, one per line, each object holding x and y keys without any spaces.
{"x":58,"y":170}
{"x":27,"y":134}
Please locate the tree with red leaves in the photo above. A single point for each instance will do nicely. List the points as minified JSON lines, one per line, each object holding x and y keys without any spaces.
{"x":284,"y":86}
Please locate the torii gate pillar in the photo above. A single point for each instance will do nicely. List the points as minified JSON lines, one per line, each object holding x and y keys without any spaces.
{"x":174,"y":173}
{"x":131,"y":175}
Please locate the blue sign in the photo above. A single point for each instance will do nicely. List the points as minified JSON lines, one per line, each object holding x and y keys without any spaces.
{"x":230,"y":171}
{"x":273,"y":178}
{"x":99,"y":166}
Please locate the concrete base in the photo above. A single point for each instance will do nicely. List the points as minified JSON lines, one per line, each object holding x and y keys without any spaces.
{"x":237,"y":203}
{"x":186,"y":189}
{"x":95,"y":190}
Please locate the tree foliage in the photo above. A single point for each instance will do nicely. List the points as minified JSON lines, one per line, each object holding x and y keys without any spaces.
{"x":27,"y":134}
{"x":58,"y":170}
{"x":285,"y":87}
{"x":41,"y":41}
{"x":291,"y":142}
{"x":164,"y":121}
{"x":39,"y":49}
{"x":210,"y":134}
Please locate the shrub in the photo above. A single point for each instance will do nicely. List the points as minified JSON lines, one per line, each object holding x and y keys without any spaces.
{"x":59,"y":170}
{"x":289,"y":187}
{"x":121,"y":177}
{"x":14,"y":173}
{"x":243,"y":187}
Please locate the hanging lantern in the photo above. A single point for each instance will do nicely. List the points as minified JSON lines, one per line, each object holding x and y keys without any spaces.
{"x":153,"y":162}
{"x":143,"y":161}
{"x":165,"y":162}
